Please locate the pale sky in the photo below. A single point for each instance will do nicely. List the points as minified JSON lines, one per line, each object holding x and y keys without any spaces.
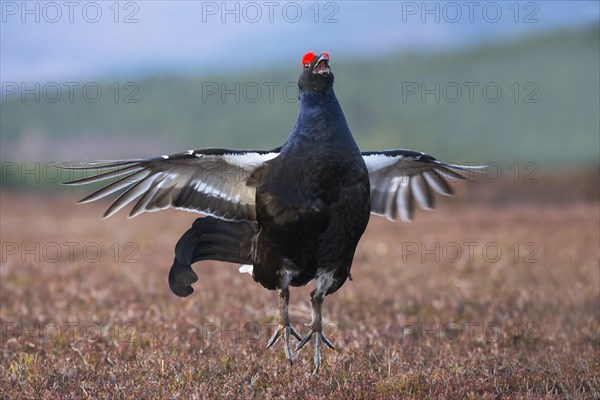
{"x":42,"y":41}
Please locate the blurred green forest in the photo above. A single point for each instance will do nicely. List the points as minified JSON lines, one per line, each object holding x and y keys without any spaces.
{"x":547,"y":112}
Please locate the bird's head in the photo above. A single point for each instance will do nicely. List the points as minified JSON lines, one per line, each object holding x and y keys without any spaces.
{"x":317,"y":74}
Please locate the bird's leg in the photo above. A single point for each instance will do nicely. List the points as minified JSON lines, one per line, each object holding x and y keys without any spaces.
{"x":284,"y":325}
{"x":316,"y":329}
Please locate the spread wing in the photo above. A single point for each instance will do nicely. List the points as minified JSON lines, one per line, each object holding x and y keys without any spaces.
{"x":398,"y":177}
{"x":209,"y":181}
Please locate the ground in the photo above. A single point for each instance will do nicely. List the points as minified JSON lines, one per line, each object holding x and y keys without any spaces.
{"x":479,"y":299}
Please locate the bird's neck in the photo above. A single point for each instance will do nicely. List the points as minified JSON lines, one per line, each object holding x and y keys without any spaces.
{"x":314,"y":99}
{"x":320,"y":109}
{"x":320,"y":120}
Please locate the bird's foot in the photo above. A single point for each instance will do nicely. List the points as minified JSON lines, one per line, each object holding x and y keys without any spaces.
{"x":319,"y":338}
{"x":285,"y":331}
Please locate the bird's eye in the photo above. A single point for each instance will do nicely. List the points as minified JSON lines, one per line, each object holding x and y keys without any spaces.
{"x":307,"y":66}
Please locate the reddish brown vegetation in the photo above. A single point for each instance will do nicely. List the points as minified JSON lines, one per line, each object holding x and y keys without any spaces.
{"x":475,"y":325}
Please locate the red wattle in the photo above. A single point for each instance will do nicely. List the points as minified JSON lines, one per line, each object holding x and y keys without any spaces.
{"x":308,"y":58}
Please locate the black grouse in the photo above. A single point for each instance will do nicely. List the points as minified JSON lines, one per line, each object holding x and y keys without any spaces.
{"x":289,"y":215}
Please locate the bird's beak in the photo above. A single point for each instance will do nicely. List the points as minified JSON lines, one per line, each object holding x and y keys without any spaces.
{"x":322,"y":66}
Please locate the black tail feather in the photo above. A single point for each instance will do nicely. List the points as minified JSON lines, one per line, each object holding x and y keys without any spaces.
{"x":181,"y":278}
{"x":210,"y":239}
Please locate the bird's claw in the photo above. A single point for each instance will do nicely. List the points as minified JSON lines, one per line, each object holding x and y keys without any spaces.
{"x":319,"y":338}
{"x":287,"y":330}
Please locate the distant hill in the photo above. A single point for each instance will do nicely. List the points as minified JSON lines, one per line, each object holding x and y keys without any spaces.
{"x":548,"y":111}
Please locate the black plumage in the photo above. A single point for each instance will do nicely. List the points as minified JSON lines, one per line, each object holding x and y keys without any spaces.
{"x":293,"y":214}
